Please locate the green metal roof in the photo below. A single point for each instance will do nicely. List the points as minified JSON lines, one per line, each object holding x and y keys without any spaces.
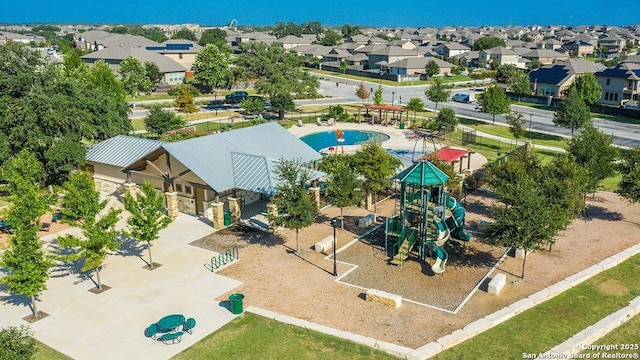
{"x":423,"y":173}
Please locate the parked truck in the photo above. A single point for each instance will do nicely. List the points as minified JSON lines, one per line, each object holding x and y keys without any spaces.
{"x":464,"y":97}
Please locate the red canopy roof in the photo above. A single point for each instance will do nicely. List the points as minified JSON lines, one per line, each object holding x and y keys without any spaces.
{"x":448,"y":154}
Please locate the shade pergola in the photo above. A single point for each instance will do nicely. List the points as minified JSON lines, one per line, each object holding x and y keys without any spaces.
{"x":451,"y":155}
{"x":383,"y":108}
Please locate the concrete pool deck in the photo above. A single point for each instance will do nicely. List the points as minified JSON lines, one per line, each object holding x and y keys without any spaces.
{"x":398,"y":144}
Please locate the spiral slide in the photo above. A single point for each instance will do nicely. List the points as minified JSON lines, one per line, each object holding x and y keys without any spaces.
{"x":441,"y":260}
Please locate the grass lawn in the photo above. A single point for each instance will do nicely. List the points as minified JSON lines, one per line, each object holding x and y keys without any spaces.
{"x":554,"y":321}
{"x":503,"y":131}
{"x":47,"y":353}
{"x":255,"y":337}
{"x":447,"y":79}
{"x":138,"y":124}
{"x":621,"y":335}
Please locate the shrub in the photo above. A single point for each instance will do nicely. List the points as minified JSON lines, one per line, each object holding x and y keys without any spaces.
{"x":17,"y":343}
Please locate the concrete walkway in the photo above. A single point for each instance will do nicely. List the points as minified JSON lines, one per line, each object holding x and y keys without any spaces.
{"x":111,"y":325}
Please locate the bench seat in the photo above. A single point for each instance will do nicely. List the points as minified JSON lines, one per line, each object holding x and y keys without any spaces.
{"x":172,"y":337}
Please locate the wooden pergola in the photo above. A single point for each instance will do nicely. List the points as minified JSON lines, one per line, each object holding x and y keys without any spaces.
{"x":384,"y":120}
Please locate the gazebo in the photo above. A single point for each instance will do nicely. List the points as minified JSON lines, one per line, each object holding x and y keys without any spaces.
{"x":383,"y":108}
{"x":451,"y":155}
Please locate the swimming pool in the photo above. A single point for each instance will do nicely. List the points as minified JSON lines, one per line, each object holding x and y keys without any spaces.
{"x":325,"y":139}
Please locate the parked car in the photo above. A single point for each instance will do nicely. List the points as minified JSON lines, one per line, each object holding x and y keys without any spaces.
{"x":464,"y":97}
{"x":236,"y":97}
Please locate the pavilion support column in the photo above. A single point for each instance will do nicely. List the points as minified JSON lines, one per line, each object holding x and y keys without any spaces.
{"x":234,"y":207}
{"x":131,"y":188}
{"x":314,"y":193}
{"x":171,"y":198}
{"x":272,"y":211}
{"x":368,"y":201}
{"x":217,"y":213}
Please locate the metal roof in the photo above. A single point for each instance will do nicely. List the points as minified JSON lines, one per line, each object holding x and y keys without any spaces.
{"x":256,"y":148}
{"x":423,"y":173}
{"x":121,"y":150}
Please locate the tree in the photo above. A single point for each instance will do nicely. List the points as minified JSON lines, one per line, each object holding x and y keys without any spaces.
{"x":185,"y":102}
{"x":432,"y":68}
{"x":534,"y":64}
{"x":185,"y":34}
{"x":520,"y":85}
{"x":564,"y":183}
{"x":506,"y":73}
{"x":211,"y":68}
{"x":493,"y":101}
{"x":415,"y":105}
{"x":572,"y":113}
{"x":73,"y":63}
{"x":438,"y":91}
{"x":377,"y":95}
{"x":343,"y":187}
{"x":217,"y":37}
{"x":350,"y":30}
{"x":629,"y":167}
{"x":593,"y":150}
{"x":252,"y":105}
{"x":344,"y":66}
{"x":487,"y":42}
{"x":147,"y":215}
{"x":81,"y":201}
{"x":17,"y":343}
{"x":276,"y":71}
{"x":134,"y":77}
{"x":102,"y":76}
{"x":296,"y":211}
{"x":25,"y":261}
{"x":281,"y":103}
{"x":376,"y":167}
{"x":331,"y":38}
{"x":159,"y":121}
{"x":587,"y":88}
{"x":362,"y":92}
{"x":99,"y":236}
{"x":153,"y":73}
{"x":515,"y":120}
{"x":447,"y":119}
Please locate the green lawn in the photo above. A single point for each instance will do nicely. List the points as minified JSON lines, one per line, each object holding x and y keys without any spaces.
{"x":622,"y":335}
{"x":255,"y":337}
{"x":47,"y":353}
{"x":455,"y":78}
{"x":503,"y":131}
{"x":554,"y":321}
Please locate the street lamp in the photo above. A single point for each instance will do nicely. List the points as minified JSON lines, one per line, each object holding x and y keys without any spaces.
{"x":400,"y":99}
{"x":393,"y":97}
{"x":334,"y":223}
{"x":530,"y":118}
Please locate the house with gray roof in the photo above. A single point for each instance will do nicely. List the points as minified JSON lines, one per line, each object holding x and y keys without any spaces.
{"x":545,"y":56}
{"x":21,"y":38}
{"x":499,"y":55}
{"x":451,"y":49}
{"x":416,"y":66}
{"x":553,"y":80}
{"x":380,"y":59}
{"x":199,"y":172}
{"x":173,"y":73}
{"x":182,"y":51}
{"x":620,"y":84}
{"x":291,"y":41}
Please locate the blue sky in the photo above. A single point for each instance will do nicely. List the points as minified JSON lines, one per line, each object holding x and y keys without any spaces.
{"x":413,"y":13}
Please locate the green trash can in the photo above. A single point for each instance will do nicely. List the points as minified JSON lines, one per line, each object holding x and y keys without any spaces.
{"x":236,"y":303}
{"x":227,"y":218}
{"x":401,"y":125}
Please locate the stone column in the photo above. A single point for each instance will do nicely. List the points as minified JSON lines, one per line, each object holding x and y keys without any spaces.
{"x":314,"y":193}
{"x":217,"y":210}
{"x":234,"y":207}
{"x":368,"y":201}
{"x":172,"y":204}
{"x":131,"y":188}
{"x":273,"y":211}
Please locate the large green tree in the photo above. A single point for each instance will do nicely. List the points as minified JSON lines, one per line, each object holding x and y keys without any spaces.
{"x":98,"y":233}
{"x":376,"y":166}
{"x":185,"y":33}
{"x":102,"y":76}
{"x":573,"y":113}
{"x":25,"y":261}
{"x":331,"y":38}
{"x":629,"y":167}
{"x":487,"y":42}
{"x":432,"y":68}
{"x":153,"y":73}
{"x":159,"y":121}
{"x":275,"y":70}
{"x":184,"y":101}
{"x":81,"y":201}
{"x":438,"y":91}
{"x":146,"y":215}
{"x":447,"y":119}
{"x":415,"y":105}
{"x":520,"y":85}
{"x":17,"y":343}
{"x":493,"y":101}
{"x":282,"y":102}
{"x":215,"y":36}
{"x":344,"y":187}
{"x":211,"y":68}
{"x":506,"y":73}
{"x":593,"y":150}
{"x":134,"y":77}
{"x":587,"y":88}
{"x":295,"y":209}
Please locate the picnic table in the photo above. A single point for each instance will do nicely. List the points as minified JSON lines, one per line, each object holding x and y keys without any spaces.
{"x":4,"y":226}
{"x":170,"y":323}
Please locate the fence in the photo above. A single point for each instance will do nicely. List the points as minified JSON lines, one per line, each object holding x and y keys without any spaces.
{"x":615,"y":111}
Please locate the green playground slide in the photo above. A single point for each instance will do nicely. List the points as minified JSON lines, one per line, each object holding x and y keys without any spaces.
{"x":441,"y":260}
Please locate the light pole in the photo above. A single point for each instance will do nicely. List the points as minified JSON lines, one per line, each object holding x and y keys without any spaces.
{"x":400,"y":99}
{"x":530,"y":118}
{"x":334,"y":223}
{"x":393,"y":98}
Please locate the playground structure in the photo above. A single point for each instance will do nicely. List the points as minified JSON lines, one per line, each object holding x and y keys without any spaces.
{"x":427,"y":217}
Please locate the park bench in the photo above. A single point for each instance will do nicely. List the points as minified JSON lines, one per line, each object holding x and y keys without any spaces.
{"x":497,"y":283}
{"x":324,"y":245}
{"x":366,"y":221}
{"x":173,"y":337}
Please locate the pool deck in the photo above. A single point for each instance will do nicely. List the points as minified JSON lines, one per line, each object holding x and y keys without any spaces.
{"x":398,"y":143}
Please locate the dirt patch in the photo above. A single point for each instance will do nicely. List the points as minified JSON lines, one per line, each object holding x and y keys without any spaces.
{"x":237,"y":235}
{"x":612,"y":287}
{"x":48,"y":227}
{"x":301,"y":284}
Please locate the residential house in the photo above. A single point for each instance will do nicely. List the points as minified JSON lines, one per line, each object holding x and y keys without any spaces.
{"x":553,"y":80}
{"x":549,"y":44}
{"x":172,"y":72}
{"x":255,"y":37}
{"x":380,"y":59}
{"x":200,"y":174}
{"x":499,"y":55}
{"x":545,"y":56}
{"x":416,"y":66}
{"x":620,"y":84}
{"x":451,"y":49}
{"x":468,"y":59}
{"x":579,"y":48}
{"x":21,"y":38}
{"x":182,"y":51}
{"x":359,"y":39}
{"x":291,"y":41}
{"x":611,"y":44}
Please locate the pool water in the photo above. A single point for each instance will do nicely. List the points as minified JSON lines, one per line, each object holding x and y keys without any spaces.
{"x":325,"y":139}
